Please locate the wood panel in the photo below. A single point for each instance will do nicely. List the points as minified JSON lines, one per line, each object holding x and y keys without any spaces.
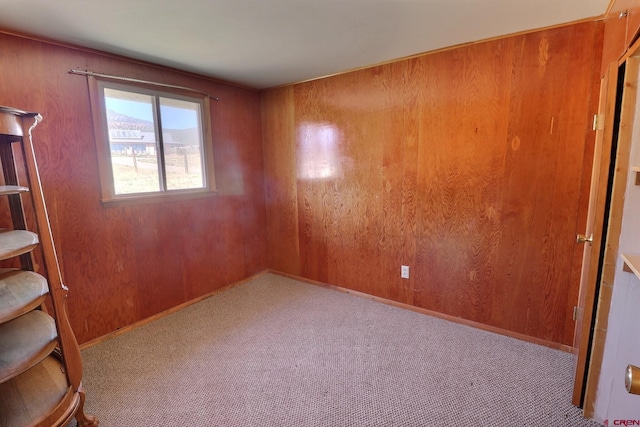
{"x":627,"y":11}
{"x":463,"y":122}
{"x":347,"y":142}
{"x":585,"y":190}
{"x":281,"y":197}
{"x":622,"y":28}
{"x":466,"y":165}
{"x":633,"y":23}
{"x":614,"y":45}
{"x":547,"y":170}
{"x":399,"y":182}
{"x":123,"y":264}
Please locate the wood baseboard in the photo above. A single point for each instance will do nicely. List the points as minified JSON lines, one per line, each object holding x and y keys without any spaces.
{"x":473,"y":324}
{"x":132,"y":326}
{"x":477,"y":325}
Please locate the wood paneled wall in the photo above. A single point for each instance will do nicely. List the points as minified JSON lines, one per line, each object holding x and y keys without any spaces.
{"x":470,"y":165}
{"x":125,"y":264}
{"x":622,"y":29}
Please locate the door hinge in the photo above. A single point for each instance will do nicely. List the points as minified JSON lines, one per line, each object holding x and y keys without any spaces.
{"x":598,"y":122}
{"x":575,"y":313}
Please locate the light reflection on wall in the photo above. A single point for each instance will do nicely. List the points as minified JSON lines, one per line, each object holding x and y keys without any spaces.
{"x":318,"y":154}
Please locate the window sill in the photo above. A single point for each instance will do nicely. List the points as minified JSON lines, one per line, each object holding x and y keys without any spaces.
{"x":147,"y":199}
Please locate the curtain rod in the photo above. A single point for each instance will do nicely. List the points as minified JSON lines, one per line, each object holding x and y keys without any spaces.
{"x":129,"y":79}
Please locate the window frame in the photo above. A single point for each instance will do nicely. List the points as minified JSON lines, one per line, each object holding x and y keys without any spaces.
{"x":103,"y":147}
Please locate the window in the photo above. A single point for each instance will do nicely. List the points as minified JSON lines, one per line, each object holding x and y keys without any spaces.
{"x":152,"y":144}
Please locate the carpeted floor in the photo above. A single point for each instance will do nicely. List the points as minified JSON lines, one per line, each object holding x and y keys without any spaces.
{"x":277,"y":352}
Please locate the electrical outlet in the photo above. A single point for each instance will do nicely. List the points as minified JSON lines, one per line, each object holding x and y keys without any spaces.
{"x":404,"y":271}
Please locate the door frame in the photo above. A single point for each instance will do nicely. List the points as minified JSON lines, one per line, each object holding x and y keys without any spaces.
{"x":621,"y":132}
{"x":596,"y":227}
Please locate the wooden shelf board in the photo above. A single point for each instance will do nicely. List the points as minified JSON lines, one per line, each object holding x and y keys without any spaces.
{"x":25,"y":342}
{"x":40,"y":396}
{"x":20,"y":292}
{"x":16,"y":242}
{"x":632,"y":263}
{"x":12,"y":189}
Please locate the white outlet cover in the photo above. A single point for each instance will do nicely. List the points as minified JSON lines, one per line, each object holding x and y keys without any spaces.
{"x":404,"y":271}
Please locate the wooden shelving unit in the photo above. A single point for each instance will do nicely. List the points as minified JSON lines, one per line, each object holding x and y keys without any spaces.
{"x":631,"y":263}
{"x":20,"y":292}
{"x":5,"y":190}
{"x":40,"y":364}
{"x":25,"y":341}
{"x":16,"y":242}
{"x":40,"y":396}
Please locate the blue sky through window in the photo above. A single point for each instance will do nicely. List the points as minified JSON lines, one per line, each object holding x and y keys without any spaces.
{"x":172,"y":117}
{"x":178,"y":118}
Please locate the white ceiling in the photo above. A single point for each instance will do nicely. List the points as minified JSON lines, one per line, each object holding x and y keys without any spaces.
{"x":265,"y":43}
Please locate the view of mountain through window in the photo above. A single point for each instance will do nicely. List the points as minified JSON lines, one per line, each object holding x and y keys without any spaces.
{"x":155,"y":142}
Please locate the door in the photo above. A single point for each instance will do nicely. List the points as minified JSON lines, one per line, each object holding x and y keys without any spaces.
{"x":593,"y":237}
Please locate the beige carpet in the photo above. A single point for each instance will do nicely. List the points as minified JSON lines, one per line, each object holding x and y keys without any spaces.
{"x":277,"y":352}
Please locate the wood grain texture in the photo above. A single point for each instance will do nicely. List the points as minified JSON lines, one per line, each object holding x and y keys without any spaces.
{"x":628,"y":13}
{"x":123,"y":264}
{"x":633,"y":24}
{"x":585,"y":223}
{"x":462,"y":122}
{"x":466,"y":165}
{"x":553,"y":161}
{"x":281,"y":197}
{"x":441,"y":163}
{"x":585,"y":307}
{"x":349,"y":159}
{"x":613,"y":41}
